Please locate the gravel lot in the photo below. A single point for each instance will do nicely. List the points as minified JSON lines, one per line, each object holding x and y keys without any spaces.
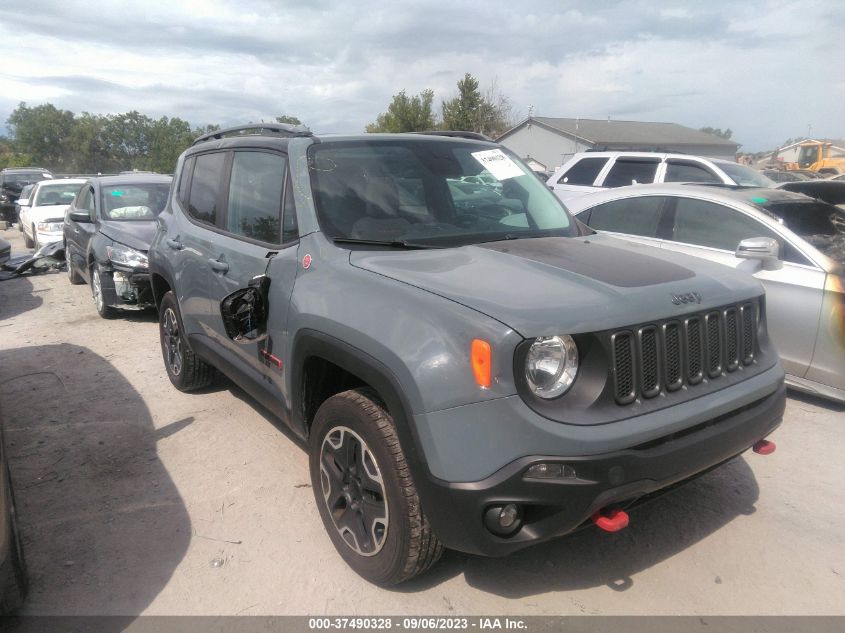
{"x":135,"y":498}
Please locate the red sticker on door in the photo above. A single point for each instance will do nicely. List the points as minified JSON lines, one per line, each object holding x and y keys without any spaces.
{"x":306,"y":261}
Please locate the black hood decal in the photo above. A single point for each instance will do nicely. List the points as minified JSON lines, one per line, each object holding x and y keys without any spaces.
{"x":605,"y":263}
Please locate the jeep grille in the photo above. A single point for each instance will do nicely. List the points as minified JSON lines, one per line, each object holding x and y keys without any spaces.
{"x":663,"y":357}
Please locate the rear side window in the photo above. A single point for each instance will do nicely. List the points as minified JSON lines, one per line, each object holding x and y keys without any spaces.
{"x":628,"y":171}
{"x":290,"y":227}
{"x":634,"y":216}
{"x":185,"y":181}
{"x":255,"y":196}
{"x":682,"y":171}
{"x":205,"y":187}
{"x":584,"y":172}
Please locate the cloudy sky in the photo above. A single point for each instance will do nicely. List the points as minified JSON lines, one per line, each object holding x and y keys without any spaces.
{"x":768,"y":70}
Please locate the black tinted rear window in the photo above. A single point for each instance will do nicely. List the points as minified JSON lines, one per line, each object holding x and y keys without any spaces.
{"x":583,"y":172}
{"x":628,"y":171}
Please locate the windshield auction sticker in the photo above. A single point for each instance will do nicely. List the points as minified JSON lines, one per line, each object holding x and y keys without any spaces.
{"x":497,"y":163}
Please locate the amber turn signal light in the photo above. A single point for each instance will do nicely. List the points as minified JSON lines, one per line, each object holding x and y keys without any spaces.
{"x":481,"y":362}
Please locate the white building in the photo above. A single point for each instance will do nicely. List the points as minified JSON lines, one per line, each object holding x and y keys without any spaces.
{"x":550,"y":142}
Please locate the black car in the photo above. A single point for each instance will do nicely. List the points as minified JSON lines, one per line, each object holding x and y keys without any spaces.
{"x":107,"y":233}
{"x":13,"y":578}
{"x":830,"y":191}
{"x":12,"y":180}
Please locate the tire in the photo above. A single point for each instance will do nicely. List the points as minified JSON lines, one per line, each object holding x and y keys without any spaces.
{"x":186,"y":371}
{"x":15,"y":584}
{"x":27,"y":241}
{"x":72,"y":275}
{"x":105,"y":311}
{"x":358,"y":468}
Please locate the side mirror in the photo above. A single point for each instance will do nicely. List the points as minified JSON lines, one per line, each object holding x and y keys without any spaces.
{"x":244,"y":311}
{"x":80,"y":216}
{"x":764,"y":249}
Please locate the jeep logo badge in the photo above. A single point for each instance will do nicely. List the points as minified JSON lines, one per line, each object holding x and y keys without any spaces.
{"x":689,"y":297}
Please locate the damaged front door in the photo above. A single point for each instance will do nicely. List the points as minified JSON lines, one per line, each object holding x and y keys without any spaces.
{"x":253,"y":266}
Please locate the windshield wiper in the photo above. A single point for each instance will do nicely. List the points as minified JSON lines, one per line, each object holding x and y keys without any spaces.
{"x":389,"y":243}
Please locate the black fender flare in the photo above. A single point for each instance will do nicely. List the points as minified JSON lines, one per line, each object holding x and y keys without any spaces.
{"x":377,"y":375}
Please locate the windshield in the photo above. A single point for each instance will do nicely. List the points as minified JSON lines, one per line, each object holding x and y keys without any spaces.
{"x":809,"y":218}
{"x":745,"y":176}
{"x":427,"y":191}
{"x":56,"y":193}
{"x":139,"y":201}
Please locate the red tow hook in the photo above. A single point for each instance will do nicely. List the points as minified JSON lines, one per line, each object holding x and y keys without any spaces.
{"x":616,"y":519}
{"x":764,"y":447}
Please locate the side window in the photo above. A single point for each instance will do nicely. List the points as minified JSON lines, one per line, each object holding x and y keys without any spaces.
{"x":634,"y":216}
{"x":85,"y":200}
{"x":714,"y":225}
{"x":628,"y":171}
{"x":255,"y":196}
{"x":205,"y":187}
{"x":184,"y":181}
{"x":686,"y":171}
{"x":583,"y":172}
{"x":290,"y":228}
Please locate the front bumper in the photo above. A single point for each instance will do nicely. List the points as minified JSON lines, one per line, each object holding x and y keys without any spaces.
{"x":127,"y":288}
{"x":552,"y":508}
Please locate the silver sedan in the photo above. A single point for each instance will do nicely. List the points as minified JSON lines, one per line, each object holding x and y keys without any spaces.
{"x":793,"y":244}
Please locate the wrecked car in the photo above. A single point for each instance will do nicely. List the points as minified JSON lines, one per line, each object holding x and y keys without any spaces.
{"x":481,"y":376}
{"x":803,"y":270}
{"x":107,"y":232}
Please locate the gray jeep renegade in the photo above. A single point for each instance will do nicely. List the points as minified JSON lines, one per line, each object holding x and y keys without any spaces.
{"x":469,"y":366}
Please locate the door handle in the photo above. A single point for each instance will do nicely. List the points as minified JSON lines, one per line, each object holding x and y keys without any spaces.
{"x":220,"y":267}
{"x":176,"y":245}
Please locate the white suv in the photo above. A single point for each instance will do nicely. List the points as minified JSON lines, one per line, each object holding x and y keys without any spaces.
{"x":586,"y":172}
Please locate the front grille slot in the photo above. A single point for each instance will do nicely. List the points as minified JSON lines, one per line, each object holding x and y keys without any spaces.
{"x":649,"y":361}
{"x":695,"y":350}
{"x":663,"y":357}
{"x":672,"y":356}
{"x":623,"y":367}
{"x":714,"y":344}
{"x":749,"y":328}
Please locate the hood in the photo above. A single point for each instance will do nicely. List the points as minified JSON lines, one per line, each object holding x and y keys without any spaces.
{"x":54,"y":212}
{"x":559,"y":285}
{"x":137,"y":234}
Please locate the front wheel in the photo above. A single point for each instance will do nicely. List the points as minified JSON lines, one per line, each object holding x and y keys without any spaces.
{"x":364,"y":491}
{"x":184,"y":368}
{"x":29,"y":242}
{"x":72,"y":275}
{"x":104,"y":310}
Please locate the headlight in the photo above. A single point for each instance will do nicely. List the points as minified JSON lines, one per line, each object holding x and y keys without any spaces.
{"x":551,"y":365}
{"x":126,"y":256}
{"x":49,"y":227}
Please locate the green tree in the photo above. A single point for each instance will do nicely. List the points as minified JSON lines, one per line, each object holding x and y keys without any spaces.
{"x":290,"y":120}
{"x":726,"y":134}
{"x":43,"y":133}
{"x":167,"y":139}
{"x":406,"y":114}
{"x":88,"y":152}
{"x":489,"y":113}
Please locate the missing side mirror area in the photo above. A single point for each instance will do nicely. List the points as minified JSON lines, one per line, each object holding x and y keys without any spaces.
{"x":244,"y":311}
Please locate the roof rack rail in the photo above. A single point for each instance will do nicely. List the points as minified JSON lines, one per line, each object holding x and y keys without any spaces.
{"x":282,"y":129}
{"x":475,"y":136}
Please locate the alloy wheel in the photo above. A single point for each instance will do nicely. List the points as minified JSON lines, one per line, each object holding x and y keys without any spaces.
{"x":97,"y":290}
{"x":172,"y":341}
{"x":354,"y":491}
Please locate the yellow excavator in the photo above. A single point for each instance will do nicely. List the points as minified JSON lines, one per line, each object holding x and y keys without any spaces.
{"x":816,"y":156}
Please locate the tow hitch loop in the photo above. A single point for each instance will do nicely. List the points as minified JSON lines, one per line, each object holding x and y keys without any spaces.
{"x":611,"y":520}
{"x":764,"y":447}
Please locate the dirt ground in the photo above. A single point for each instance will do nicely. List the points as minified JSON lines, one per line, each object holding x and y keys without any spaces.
{"x":136,"y":498}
